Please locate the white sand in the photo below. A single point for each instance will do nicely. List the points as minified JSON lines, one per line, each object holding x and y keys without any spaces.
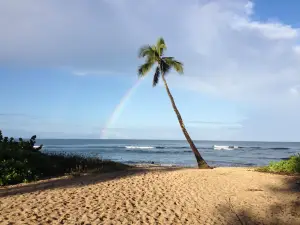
{"x":157,"y":196}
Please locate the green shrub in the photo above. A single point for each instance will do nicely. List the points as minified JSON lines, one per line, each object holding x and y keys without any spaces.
{"x":21,"y":162}
{"x":290,"y":166}
{"x":13,"y":172}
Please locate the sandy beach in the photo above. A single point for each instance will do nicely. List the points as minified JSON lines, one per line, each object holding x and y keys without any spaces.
{"x":156,"y":195}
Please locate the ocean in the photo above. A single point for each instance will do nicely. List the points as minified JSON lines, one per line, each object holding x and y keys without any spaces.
{"x":178,"y":153}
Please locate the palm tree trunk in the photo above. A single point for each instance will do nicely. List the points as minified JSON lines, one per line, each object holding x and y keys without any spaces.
{"x":201,"y":162}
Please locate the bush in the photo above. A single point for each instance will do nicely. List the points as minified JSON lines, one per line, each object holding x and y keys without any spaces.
{"x":21,"y":161}
{"x":13,"y":172}
{"x":290,"y":166}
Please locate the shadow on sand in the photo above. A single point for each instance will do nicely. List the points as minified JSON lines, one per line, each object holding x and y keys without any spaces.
{"x":86,"y":179}
{"x":276,"y":213}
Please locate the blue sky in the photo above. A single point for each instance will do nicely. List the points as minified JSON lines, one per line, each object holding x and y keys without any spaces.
{"x":65,"y":66}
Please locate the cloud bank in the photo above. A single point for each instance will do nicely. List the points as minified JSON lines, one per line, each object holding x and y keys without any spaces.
{"x":225,"y":51}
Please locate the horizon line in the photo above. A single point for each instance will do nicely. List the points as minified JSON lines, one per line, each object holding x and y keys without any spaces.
{"x":150,"y":139}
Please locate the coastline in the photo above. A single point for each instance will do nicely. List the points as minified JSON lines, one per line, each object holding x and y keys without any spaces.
{"x":176,"y":152}
{"x":154,"y":194}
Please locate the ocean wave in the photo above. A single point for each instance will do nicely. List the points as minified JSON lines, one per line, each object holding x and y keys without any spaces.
{"x":225,"y":147}
{"x":142,"y":151}
{"x":152,"y":163}
{"x":171,"y":147}
{"x":273,"y":148}
{"x":287,"y":158}
{"x":233,"y":147}
{"x":103,"y":147}
{"x":152,"y":147}
{"x":247,"y":147}
{"x":139,"y":147}
{"x":253,"y":147}
{"x":229,"y":163}
{"x":156,"y":147}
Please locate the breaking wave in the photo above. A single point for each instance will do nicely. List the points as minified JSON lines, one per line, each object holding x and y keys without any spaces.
{"x":225,"y":147}
{"x":139,"y":147}
{"x":156,"y":147}
{"x":233,"y":147}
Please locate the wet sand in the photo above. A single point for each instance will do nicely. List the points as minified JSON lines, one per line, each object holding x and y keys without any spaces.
{"x":156,"y":195}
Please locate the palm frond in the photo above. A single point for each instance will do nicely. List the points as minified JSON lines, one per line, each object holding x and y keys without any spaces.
{"x":165,"y":67}
{"x":144,"y":69}
{"x":178,"y":66}
{"x":150,"y":59}
{"x":146,"y":50}
{"x":156,"y":77}
{"x":168,"y":60}
{"x":161,"y":46}
{"x":155,"y":52}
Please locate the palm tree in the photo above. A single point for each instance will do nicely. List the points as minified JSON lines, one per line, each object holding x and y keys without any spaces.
{"x":155,"y":56}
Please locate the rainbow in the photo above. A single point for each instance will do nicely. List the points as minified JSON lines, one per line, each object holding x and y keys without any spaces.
{"x":119,"y":109}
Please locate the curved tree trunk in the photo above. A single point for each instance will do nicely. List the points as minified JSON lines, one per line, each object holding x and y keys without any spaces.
{"x":201,"y":162}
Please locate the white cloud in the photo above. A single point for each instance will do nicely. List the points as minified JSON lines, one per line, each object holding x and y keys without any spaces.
{"x":295,"y":90}
{"x":249,"y":8}
{"x":276,"y":31}
{"x":239,"y":58}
